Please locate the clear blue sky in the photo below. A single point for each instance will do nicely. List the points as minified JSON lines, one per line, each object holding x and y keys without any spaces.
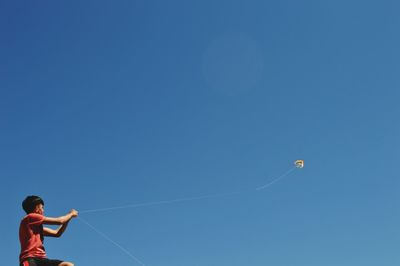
{"x":110,"y":103}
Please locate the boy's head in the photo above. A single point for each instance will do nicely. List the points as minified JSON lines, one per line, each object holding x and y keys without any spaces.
{"x":33,"y":204}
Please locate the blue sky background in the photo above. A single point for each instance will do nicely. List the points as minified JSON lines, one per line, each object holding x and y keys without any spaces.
{"x":110,"y":103}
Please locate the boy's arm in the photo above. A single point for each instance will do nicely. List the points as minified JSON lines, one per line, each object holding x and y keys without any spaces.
{"x":55,"y":232}
{"x":62,"y":219}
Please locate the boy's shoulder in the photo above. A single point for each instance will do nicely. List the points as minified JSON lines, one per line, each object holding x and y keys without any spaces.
{"x":32,"y":218}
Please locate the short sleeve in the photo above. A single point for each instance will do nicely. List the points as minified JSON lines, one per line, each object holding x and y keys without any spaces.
{"x":35,"y":219}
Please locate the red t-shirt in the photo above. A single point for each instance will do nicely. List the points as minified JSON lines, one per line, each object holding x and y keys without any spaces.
{"x":31,"y":237}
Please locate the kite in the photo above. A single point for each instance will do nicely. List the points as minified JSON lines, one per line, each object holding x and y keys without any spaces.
{"x":299,"y":163}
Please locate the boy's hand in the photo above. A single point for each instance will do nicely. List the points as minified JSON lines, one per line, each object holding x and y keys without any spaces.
{"x":73,"y":212}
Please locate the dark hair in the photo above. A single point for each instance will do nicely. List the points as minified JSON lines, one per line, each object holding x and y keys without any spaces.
{"x":29,"y":204}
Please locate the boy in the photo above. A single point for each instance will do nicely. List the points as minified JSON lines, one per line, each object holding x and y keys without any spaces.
{"x":32,"y":233}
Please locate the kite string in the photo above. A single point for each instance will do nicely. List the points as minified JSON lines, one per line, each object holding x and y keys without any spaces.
{"x":169,"y":202}
{"x":162,"y":202}
{"x":191,"y":198}
{"x":112,"y":241}
{"x":276,"y":179}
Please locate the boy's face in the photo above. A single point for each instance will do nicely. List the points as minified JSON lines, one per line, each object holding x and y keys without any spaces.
{"x":39,"y":209}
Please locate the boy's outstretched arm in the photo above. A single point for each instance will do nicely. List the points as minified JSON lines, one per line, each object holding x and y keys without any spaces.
{"x":62,"y":220}
{"x":55,"y":232}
